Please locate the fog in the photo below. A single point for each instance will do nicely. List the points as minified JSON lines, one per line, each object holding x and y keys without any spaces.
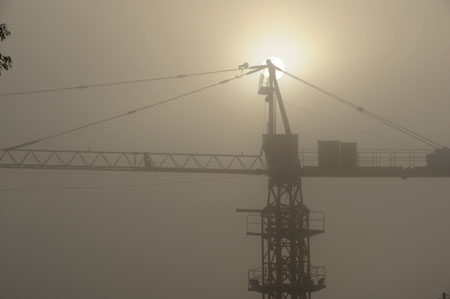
{"x":386,"y":238}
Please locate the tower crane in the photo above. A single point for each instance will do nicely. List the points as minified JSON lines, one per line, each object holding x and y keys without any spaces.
{"x":285,"y":225}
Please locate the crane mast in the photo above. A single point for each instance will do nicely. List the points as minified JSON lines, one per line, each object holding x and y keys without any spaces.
{"x":284,"y":223}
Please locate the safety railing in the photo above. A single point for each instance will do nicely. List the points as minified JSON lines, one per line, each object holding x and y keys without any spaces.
{"x":317,"y":275}
{"x":256,"y":279}
{"x":317,"y":221}
{"x":406,"y":158}
{"x":256,"y":223}
{"x":259,"y":277}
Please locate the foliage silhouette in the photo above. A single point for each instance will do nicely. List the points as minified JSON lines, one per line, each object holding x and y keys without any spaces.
{"x":5,"y":61}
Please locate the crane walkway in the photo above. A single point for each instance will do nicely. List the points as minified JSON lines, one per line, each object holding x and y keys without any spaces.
{"x":370,"y":163}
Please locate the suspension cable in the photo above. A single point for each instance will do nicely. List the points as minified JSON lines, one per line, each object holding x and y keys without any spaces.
{"x":348,"y":125}
{"x":131,"y":111}
{"x":181,"y":76}
{"x":373,"y":115}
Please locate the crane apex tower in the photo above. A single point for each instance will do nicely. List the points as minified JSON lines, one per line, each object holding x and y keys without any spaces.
{"x":285,"y":225}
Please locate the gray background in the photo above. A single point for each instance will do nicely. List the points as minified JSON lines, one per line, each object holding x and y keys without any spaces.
{"x":386,"y":238}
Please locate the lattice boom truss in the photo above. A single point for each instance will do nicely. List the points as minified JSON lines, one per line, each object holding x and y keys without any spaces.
{"x":132,"y":161}
{"x":371,"y":163}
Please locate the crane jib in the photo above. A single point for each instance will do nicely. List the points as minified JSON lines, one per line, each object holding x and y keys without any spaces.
{"x":370,"y":163}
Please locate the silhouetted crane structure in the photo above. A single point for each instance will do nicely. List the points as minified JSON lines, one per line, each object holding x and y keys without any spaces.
{"x":285,"y":225}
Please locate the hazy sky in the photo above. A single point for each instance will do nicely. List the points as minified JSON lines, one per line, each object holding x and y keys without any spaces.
{"x":386,"y":238}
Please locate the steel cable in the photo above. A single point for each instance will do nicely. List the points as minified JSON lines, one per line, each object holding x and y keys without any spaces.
{"x":116,"y":83}
{"x":130,"y":112}
{"x":373,"y":115}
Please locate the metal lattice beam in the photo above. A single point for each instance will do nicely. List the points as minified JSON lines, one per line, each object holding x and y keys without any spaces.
{"x":371,"y":163}
{"x":132,"y":161}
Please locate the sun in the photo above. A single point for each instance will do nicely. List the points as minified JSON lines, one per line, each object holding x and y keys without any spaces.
{"x":278,"y":63}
